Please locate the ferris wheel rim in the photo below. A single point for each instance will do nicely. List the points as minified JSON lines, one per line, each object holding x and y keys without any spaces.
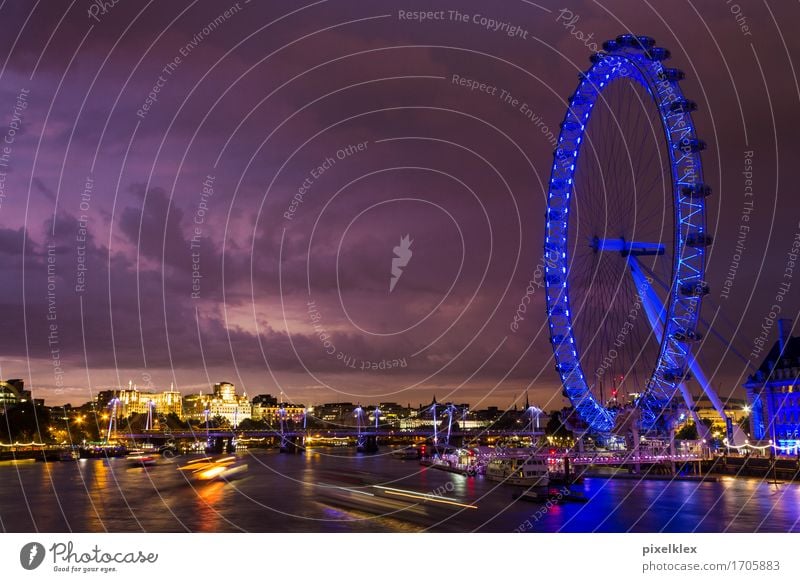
{"x":638,"y":59}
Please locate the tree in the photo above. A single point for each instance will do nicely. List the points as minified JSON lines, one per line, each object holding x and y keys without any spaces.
{"x":25,"y":423}
{"x":744,"y":423}
{"x":174,"y":422}
{"x":135,"y":423}
{"x":688,"y":432}
{"x":555,"y":426}
{"x":252,"y":424}
{"x":220,"y":421}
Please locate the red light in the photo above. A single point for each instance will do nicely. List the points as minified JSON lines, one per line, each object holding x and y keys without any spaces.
{"x":552,"y":451}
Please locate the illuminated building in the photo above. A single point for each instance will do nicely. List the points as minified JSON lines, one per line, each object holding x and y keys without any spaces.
{"x":169,"y":402}
{"x":225,"y":391}
{"x":340,"y":413}
{"x":194,"y":405}
{"x":773,"y":392}
{"x":735,"y":409}
{"x":103,"y":398}
{"x":134,"y":401}
{"x":266,"y":407}
{"x":131,"y":401}
{"x":12,"y":392}
{"x":391,"y":412}
{"x":227,"y":404}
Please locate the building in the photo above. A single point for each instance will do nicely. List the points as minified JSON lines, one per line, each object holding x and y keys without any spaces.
{"x":134,"y":401}
{"x":266,"y":407}
{"x":103,"y":398}
{"x":131,"y":401}
{"x":169,"y":402}
{"x":391,"y":412}
{"x":194,"y":406}
{"x":421,"y":418}
{"x":735,"y":408}
{"x":266,"y":399}
{"x":337,"y":413}
{"x":773,"y":392}
{"x":12,"y":392}
{"x":226,"y":403}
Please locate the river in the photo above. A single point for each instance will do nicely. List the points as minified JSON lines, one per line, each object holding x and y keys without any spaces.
{"x":288,"y":493}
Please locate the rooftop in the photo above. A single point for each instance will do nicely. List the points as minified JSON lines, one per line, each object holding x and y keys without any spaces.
{"x":775,"y":361}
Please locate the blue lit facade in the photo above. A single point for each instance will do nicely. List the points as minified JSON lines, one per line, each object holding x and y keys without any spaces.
{"x":773,"y":393}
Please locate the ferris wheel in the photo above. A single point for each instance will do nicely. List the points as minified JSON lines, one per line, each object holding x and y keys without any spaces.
{"x":625,"y":237}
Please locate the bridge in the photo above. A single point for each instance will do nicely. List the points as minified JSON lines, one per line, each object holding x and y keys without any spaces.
{"x":323,"y":433}
{"x":627,"y":458}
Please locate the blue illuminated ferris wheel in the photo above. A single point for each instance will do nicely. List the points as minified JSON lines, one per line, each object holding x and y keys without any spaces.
{"x":626,"y":238}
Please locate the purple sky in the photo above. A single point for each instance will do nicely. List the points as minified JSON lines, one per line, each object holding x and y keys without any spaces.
{"x":258,"y":102}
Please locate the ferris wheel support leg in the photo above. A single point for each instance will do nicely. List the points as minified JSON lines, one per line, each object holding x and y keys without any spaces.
{"x":694,"y":366}
{"x":738,"y":435}
{"x":655,"y":316}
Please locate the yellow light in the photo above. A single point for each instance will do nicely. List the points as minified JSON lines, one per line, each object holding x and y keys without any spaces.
{"x":211,"y":473}
{"x":423,"y":496}
{"x":433,"y":500}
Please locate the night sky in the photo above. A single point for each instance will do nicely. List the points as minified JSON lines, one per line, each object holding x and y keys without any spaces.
{"x":203,"y":191}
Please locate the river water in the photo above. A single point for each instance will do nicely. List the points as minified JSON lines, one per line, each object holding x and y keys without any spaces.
{"x":289,"y":493}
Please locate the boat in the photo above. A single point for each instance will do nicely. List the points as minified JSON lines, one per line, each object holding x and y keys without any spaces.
{"x":102,"y":451}
{"x":528,"y":471}
{"x":140,"y":458}
{"x":453,"y":460}
{"x":222,"y":468}
{"x":52,"y":455}
{"x":406,"y":453}
{"x":68,"y":455}
{"x":449,"y":466}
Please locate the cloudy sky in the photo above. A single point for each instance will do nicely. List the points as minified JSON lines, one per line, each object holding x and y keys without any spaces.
{"x":196,"y":191}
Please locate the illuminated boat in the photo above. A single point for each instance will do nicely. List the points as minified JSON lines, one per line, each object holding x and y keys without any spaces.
{"x":453,"y":460}
{"x":528,"y":471}
{"x":410,"y":452}
{"x":140,"y":458}
{"x":222,"y":468}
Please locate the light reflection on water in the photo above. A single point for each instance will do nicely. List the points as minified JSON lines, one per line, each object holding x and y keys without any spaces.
{"x":284,"y":493}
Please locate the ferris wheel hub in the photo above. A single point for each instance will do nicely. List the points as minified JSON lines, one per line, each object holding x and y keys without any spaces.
{"x":626,"y":248}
